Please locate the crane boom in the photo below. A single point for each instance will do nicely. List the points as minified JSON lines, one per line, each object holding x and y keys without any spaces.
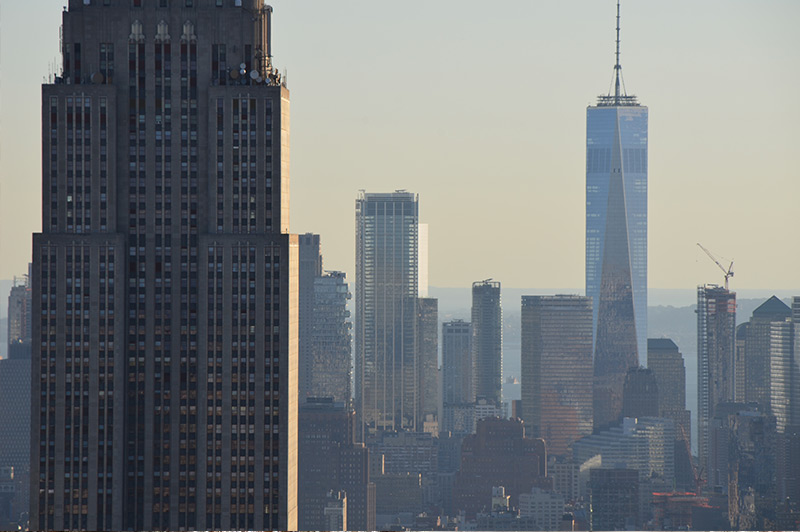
{"x":728,"y":273}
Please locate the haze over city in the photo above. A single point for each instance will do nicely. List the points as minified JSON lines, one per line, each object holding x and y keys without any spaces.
{"x":480,"y":108}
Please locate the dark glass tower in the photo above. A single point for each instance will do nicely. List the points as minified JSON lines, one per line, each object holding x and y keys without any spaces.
{"x":616,"y":239}
{"x":487,"y":341}
{"x":164,"y":279}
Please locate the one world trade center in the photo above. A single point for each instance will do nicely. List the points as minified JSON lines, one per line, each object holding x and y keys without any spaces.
{"x":616,"y":239}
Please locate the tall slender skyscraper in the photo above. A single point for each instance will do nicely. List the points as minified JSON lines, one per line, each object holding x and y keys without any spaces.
{"x":164,"y":279}
{"x":716,"y":344}
{"x":616,"y":239}
{"x":427,"y":358}
{"x":487,"y":341}
{"x":458,"y":395}
{"x":557,"y":369}
{"x":386,"y":312}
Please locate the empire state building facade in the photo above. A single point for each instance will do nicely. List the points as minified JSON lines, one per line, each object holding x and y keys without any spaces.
{"x":616,"y":240}
{"x":164,"y":278}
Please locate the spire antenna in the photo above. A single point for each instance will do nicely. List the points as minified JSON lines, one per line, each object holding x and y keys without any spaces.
{"x":617,"y":66}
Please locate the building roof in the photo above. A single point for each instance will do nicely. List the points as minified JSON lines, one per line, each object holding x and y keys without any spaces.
{"x":661,"y":343}
{"x":773,"y":307}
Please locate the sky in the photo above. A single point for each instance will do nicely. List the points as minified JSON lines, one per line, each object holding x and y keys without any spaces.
{"x":480,"y":108}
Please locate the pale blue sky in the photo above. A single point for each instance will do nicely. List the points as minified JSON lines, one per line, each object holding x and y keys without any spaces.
{"x":480,"y":108}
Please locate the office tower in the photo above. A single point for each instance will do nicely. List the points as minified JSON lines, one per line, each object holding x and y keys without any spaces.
{"x":739,"y":362}
{"x":498,"y":454}
{"x":614,"y":499}
{"x":757,"y":350}
{"x":664,"y":359}
{"x":487,"y":341}
{"x":458,"y":396}
{"x":544,"y":505}
{"x":331,"y":340}
{"x":15,"y":430}
{"x":716,"y":321}
{"x":20,"y":307}
{"x":428,"y":358}
{"x":640,"y":394}
{"x":616,"y":240}
{"x":557,"y":369}
{"x":751,"y":479}
{"x":164,"y":279}
{"x":784,"y":396}
{"x":330,"y":461}
{"x":645,"y":445}
{"x":386,"y":312}
{"x":310,"y":267}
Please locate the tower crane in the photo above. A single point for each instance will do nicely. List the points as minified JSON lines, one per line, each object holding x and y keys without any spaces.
{"x":728,"y":273}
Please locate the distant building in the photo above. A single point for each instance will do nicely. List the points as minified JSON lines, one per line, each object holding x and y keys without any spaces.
{"x":20,"y":307}
{"x":487,"y":341}
{"x":427,"y":359}
{"x":331,"y":340}
{"x":716,"y":322}
{"x":557,"y":369}
{"x":616,"y":241}
{"x":310,"y":267}
{"x":644,"y":444}
{"x":545,"y":506}
{"x":329,"y":461}
{"x":458,"y":396}
{"x":784,"y":395}
{"x":614,"y":499}
{"x":664,"y":359}
{"x":752,"y":486}
{"x":566,"y":478}
{"x":386,"y":373}
{"x":739,"y":362}
{"x":640,"y":394}
{"x":498,"y":454}
{"x":757,"y":350}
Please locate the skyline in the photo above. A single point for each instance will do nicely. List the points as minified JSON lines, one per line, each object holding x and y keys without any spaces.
{"x":408,"y":120}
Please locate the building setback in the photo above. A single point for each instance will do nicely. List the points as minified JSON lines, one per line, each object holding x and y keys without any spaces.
{"x":386,"y":312}
{"x":487,"y":341}
{"x":557,"y":369}
{"x":164,"y":278}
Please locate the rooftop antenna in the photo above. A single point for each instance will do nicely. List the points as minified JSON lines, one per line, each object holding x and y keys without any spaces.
{"x":617,"y":67}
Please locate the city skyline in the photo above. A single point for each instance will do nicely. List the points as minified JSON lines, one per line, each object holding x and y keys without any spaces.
{"x":738,"y":56}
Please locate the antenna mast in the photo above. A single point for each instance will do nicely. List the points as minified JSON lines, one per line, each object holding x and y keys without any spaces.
{"x":617,"y":66}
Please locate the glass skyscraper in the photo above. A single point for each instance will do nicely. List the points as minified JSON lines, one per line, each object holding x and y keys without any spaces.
{"x":386,"y":311}
{"x":616,"y":239}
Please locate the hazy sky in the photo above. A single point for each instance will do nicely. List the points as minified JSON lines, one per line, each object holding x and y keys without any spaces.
{"x":480,"y":107}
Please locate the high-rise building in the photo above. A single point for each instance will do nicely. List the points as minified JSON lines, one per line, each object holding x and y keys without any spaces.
{"x":386,"y":312}
{"x":614,"y":499}
{"x":309,"y":268}
{"x":20,"y":320}
{"x":784,"y":396}
{"x":616,"y":240}
{"x":757,"y":350}
{"x":640,"y":395}
{"x":164,"y":279}
{"x":664,"y":359}
{"x":428,"y":358}
{"x":498,"y":454}
{"x":716,"y":322}
{"x":487,"y":341}
{"x":458,"y":396}
{"x":331,"y":339}
{"x":557,"y":369}
{"x":330,"y":461}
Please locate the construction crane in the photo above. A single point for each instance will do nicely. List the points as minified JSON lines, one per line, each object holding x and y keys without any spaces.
{"x":728,"y":273}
